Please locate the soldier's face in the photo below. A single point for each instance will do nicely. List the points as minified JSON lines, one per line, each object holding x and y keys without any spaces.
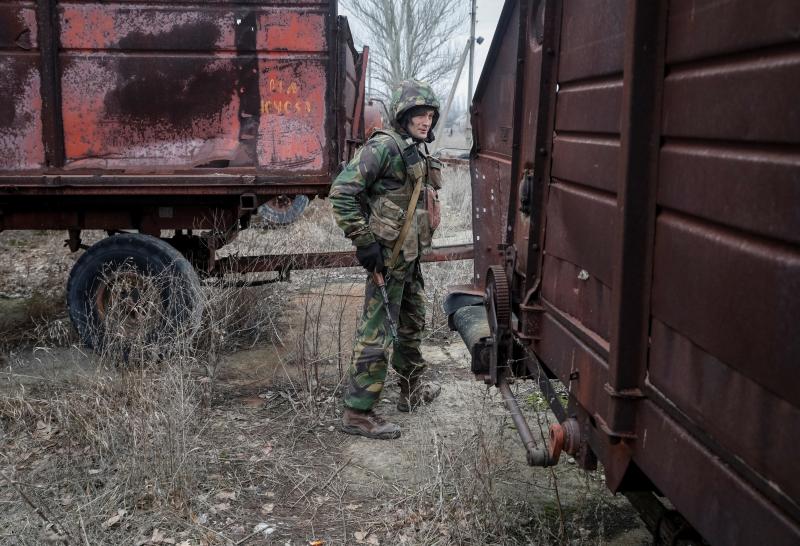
{"x":419,"y":125}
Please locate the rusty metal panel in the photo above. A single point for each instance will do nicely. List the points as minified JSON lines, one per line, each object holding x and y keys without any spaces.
{"x":493,"y":103}
{"x":202,"y":28}
{"x":724,"y":345}
{"x":293,"y":117}
{"x":18,"y":26}
{"x":526,"y":121}
{"x":754,"y":189}
{"x":489,"y":213}
{"x":587,"y":160}
{"x":765,"y":428}
{"x":580,"y":226}
{"x":164,"y":87}
{"x":723,"y":507}
{"x":577,"y":294}
{"x":591,"y":39}
{"x":590,"y":107}
{"x":579,"y":219}
{"x":20,"y":114}
{"x":493,"y":122}
{"x":113,"y":120}
{"x":705,"y":28}
{"x":579,"y":368}
{"x":752,"y":97}
{"x":352,"y":83}
{"x":733,"y":295}
{"x":21,"y":146}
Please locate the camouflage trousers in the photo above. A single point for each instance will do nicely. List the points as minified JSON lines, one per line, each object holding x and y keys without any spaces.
{"x":367,"y":372}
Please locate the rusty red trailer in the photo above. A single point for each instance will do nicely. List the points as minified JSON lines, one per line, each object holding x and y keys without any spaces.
{"x":157,"y":115}
{"x":153,"y":116}
{"x":636,"y":194}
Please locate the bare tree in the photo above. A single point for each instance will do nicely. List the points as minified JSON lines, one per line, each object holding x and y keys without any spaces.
{"x":410,"y":39}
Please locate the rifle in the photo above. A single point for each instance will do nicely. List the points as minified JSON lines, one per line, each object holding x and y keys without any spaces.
{"x":378,"y":279}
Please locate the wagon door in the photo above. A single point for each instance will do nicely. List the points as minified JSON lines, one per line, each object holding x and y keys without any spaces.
{"x":510,"y":124}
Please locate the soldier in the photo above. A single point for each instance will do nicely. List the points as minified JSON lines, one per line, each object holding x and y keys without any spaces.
{"x":385,"y":201}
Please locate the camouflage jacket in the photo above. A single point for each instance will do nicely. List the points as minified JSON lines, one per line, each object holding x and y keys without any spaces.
{"x":376,"y":169}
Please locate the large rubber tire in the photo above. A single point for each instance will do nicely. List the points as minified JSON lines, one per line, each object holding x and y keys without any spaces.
{"x":282,"y":210}
{"x":139,"y":257}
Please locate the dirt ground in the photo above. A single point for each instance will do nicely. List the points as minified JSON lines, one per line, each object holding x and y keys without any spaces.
{"x":246,"y":450}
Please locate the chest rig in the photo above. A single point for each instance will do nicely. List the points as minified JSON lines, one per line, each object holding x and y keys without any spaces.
{"x":389,"y":210}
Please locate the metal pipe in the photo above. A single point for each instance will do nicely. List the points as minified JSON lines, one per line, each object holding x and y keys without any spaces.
{"x":471,"y":52}
{"x":321,"y":260}
{"x":536,"y":457}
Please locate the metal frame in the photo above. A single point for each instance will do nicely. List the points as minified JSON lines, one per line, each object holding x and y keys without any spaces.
{"x":636,"y":205}
{"x":50,"y":74}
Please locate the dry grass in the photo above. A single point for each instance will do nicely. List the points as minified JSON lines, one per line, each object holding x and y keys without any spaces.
{"x":125,"y":439}
{"x":225,"y":434}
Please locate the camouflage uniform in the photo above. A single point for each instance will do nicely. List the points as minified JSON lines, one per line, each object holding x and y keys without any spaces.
{"x":378,"y":175}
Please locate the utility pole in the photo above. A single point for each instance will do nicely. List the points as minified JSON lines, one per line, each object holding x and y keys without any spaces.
{"x":446,"y":112}
{"x":471,"y":53}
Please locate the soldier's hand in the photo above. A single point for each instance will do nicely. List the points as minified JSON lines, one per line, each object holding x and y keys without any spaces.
{"x":371,"y":257}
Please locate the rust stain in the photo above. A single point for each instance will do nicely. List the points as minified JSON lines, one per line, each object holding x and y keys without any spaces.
{"x":152,"y":106}
{"x":20,"y":116}
{"x":176,"y":90}
{"x":87,"y":26}
{"x":18,"y":28}
{"x":292,"y":31}
{"x":293,"y":115}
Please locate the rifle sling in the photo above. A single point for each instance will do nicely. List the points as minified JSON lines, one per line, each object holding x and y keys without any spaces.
{"x":412,"y":204}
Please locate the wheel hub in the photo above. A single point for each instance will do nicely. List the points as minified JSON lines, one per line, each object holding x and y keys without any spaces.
{"x":126,"y":300}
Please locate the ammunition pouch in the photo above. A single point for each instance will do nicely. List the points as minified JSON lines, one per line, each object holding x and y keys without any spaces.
{"x":389,"y":210}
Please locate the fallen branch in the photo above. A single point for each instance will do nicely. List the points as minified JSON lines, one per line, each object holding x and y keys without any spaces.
{"x":326,"y":484}
{"x":35,"y":508}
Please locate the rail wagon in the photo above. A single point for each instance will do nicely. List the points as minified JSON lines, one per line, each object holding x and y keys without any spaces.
{"x":157,"y":112}
{"x":167,"y":125}
{"x":636,"y":212}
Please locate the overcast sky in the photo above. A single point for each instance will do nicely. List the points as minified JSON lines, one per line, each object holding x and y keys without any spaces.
{"x":488,"y":12}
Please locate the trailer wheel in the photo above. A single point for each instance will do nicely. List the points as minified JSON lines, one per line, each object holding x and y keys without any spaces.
{"x":282,"y":210}
{"x":132,"y":287}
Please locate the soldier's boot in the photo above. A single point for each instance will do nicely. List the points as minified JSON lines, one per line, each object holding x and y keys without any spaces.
{"x":414,"y":393}
{"x":369,"y":424}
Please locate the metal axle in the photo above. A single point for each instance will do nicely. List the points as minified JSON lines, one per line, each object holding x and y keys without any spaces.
{"x":535,"y":456}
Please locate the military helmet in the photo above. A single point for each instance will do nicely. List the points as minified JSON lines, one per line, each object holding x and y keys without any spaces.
{"x":407,"y":95}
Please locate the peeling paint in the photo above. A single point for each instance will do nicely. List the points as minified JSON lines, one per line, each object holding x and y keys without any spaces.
{"x":20,"y":114}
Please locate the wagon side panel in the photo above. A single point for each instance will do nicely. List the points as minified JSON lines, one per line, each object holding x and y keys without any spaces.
{"x":21,"y":144}
{"x":726,"y":278}
{"x":167,"y":87}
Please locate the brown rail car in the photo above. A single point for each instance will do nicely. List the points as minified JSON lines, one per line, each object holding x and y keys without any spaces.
{"x":636,"y":193}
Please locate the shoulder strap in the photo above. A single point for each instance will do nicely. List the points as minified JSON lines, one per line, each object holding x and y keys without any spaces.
{"x":401,"y":142}
{"x":412,"y":204}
